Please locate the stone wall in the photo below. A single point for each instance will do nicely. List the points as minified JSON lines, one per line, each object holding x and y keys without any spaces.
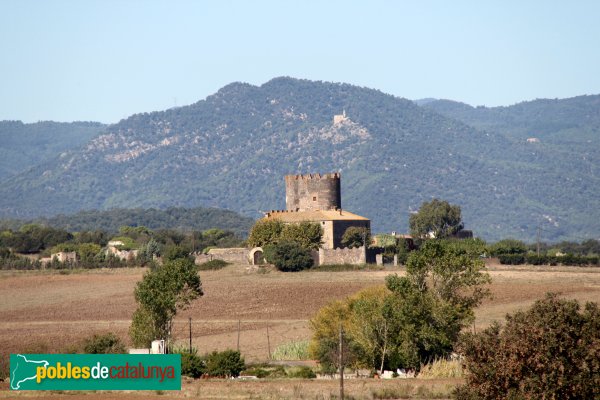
{"x":342,"y":256}
{"x":201,"y":258}
{"x":237,"y":255}
{"x":65,"y":256}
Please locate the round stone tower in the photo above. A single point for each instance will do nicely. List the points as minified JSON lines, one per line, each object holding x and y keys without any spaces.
{"x":313,"y":192}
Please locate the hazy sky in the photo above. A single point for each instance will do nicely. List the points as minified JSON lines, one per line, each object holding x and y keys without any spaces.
{"x":105,"y":60}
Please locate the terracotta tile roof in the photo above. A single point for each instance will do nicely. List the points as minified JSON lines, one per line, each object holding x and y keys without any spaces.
{"x":317,"y":215}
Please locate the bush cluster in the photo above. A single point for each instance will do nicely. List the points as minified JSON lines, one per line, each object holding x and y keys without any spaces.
{"x":301,"y":372}
{"x":534,"y":259}
{"x":192,"y":365}
{"x":288,"y":256}
{"x":107,"y":343}
{"x":218,"y":364}
{"x":90,"y":246}
{"x":551,"y":351}
{"x":279,"y":371}
{"x":212,"y":265}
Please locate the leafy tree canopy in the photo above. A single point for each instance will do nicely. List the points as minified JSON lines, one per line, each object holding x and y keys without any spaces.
{"x":415,"y":319}
{"x":307,"y":234}
{"x":288,"y":256}
{"x":550,"y":351}
{"x":356,"y":236}
{"x":264,"y":232}
{"x":437,"y":219}
{"x":508,"y":246}
{"x":160,"y":294}
{"x":272,"y":231}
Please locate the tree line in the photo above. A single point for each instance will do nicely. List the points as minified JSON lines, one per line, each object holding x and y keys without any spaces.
{"x":90,"y":246}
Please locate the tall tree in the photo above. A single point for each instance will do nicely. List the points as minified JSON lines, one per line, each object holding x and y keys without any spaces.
{"x":417,"y":318}
{"x":437,"y":219}
{"x":264,"y":232}
{"x":160,"y":294}
{"x":307,"y":234}
{"x":435,"y":300}
{"x":356,"y":236}
{"x":272,"y":231}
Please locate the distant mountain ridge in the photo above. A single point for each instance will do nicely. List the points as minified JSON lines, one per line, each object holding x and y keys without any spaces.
{"x":557,"y":120}
{"x":183,"y":219}
{"x":232,"y":150}
{"x":25,"y":145}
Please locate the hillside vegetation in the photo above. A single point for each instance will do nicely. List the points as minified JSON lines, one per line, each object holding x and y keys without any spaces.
{"x":232,"y":150}
{"x":26,"y":145}
{"x":111,"y":221}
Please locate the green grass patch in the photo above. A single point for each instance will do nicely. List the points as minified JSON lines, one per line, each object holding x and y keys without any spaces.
{"x":212,"y":265}
{"x":265,"y":371}
{"x":301,"y":372}
{"x":348,"y":267}
{"x":291,"y":351}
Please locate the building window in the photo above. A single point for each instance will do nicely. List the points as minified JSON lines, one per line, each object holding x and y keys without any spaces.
{"x":314,"y":198}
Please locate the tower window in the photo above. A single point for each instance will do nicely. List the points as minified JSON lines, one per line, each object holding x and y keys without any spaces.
{"x":314,"y":198}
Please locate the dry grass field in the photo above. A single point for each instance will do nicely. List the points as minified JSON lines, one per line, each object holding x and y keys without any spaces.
{"x":43,"y":311}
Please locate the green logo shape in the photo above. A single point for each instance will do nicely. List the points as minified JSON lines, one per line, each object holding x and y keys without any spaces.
{"x":95,"y":372}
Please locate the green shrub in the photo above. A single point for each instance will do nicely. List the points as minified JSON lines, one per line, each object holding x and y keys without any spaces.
{"x":264,"y":370}
{"x":348,"y":267}
{"x":534,"y":259}
{"x":288,"y":256}
{"x":356,"y":236}
{"x":192,"y":365}
{"x":550,"y":351}
{"x":508,"y":246}
{"x":224,"y":364}
{"x":173,"y":253}
{"x":107,"y":343}
{"x":544,"y":259}
{"x":301,"y":372}
{"x":212,"y":265}
{"x":259,"y":372}
{"x":511,"y":259}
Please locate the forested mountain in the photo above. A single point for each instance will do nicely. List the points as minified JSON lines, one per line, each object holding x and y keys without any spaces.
{"x":232,"y":150}
{"x":23,"y":146}
{"x":183,"y":219}
{"x":565,"y":121}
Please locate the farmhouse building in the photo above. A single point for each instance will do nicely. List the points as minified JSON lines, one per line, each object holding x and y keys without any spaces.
{"x":317,"y":198}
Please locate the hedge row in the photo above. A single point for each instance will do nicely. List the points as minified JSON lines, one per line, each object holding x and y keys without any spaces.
{"x":534,"y":259}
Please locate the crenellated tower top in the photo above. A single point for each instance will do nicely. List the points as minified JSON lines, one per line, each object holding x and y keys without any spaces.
{"x":313,"y":192}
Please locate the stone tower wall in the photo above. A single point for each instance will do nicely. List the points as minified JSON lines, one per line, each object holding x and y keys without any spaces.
{"x":313,"y":192}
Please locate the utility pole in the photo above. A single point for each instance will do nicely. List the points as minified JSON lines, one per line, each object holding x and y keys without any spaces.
{"x":238,"y":342}
{"x":190,"y":335}
{"x":268,"y":341}
{"x":539,"y":233}
{"x":341,"y":362}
